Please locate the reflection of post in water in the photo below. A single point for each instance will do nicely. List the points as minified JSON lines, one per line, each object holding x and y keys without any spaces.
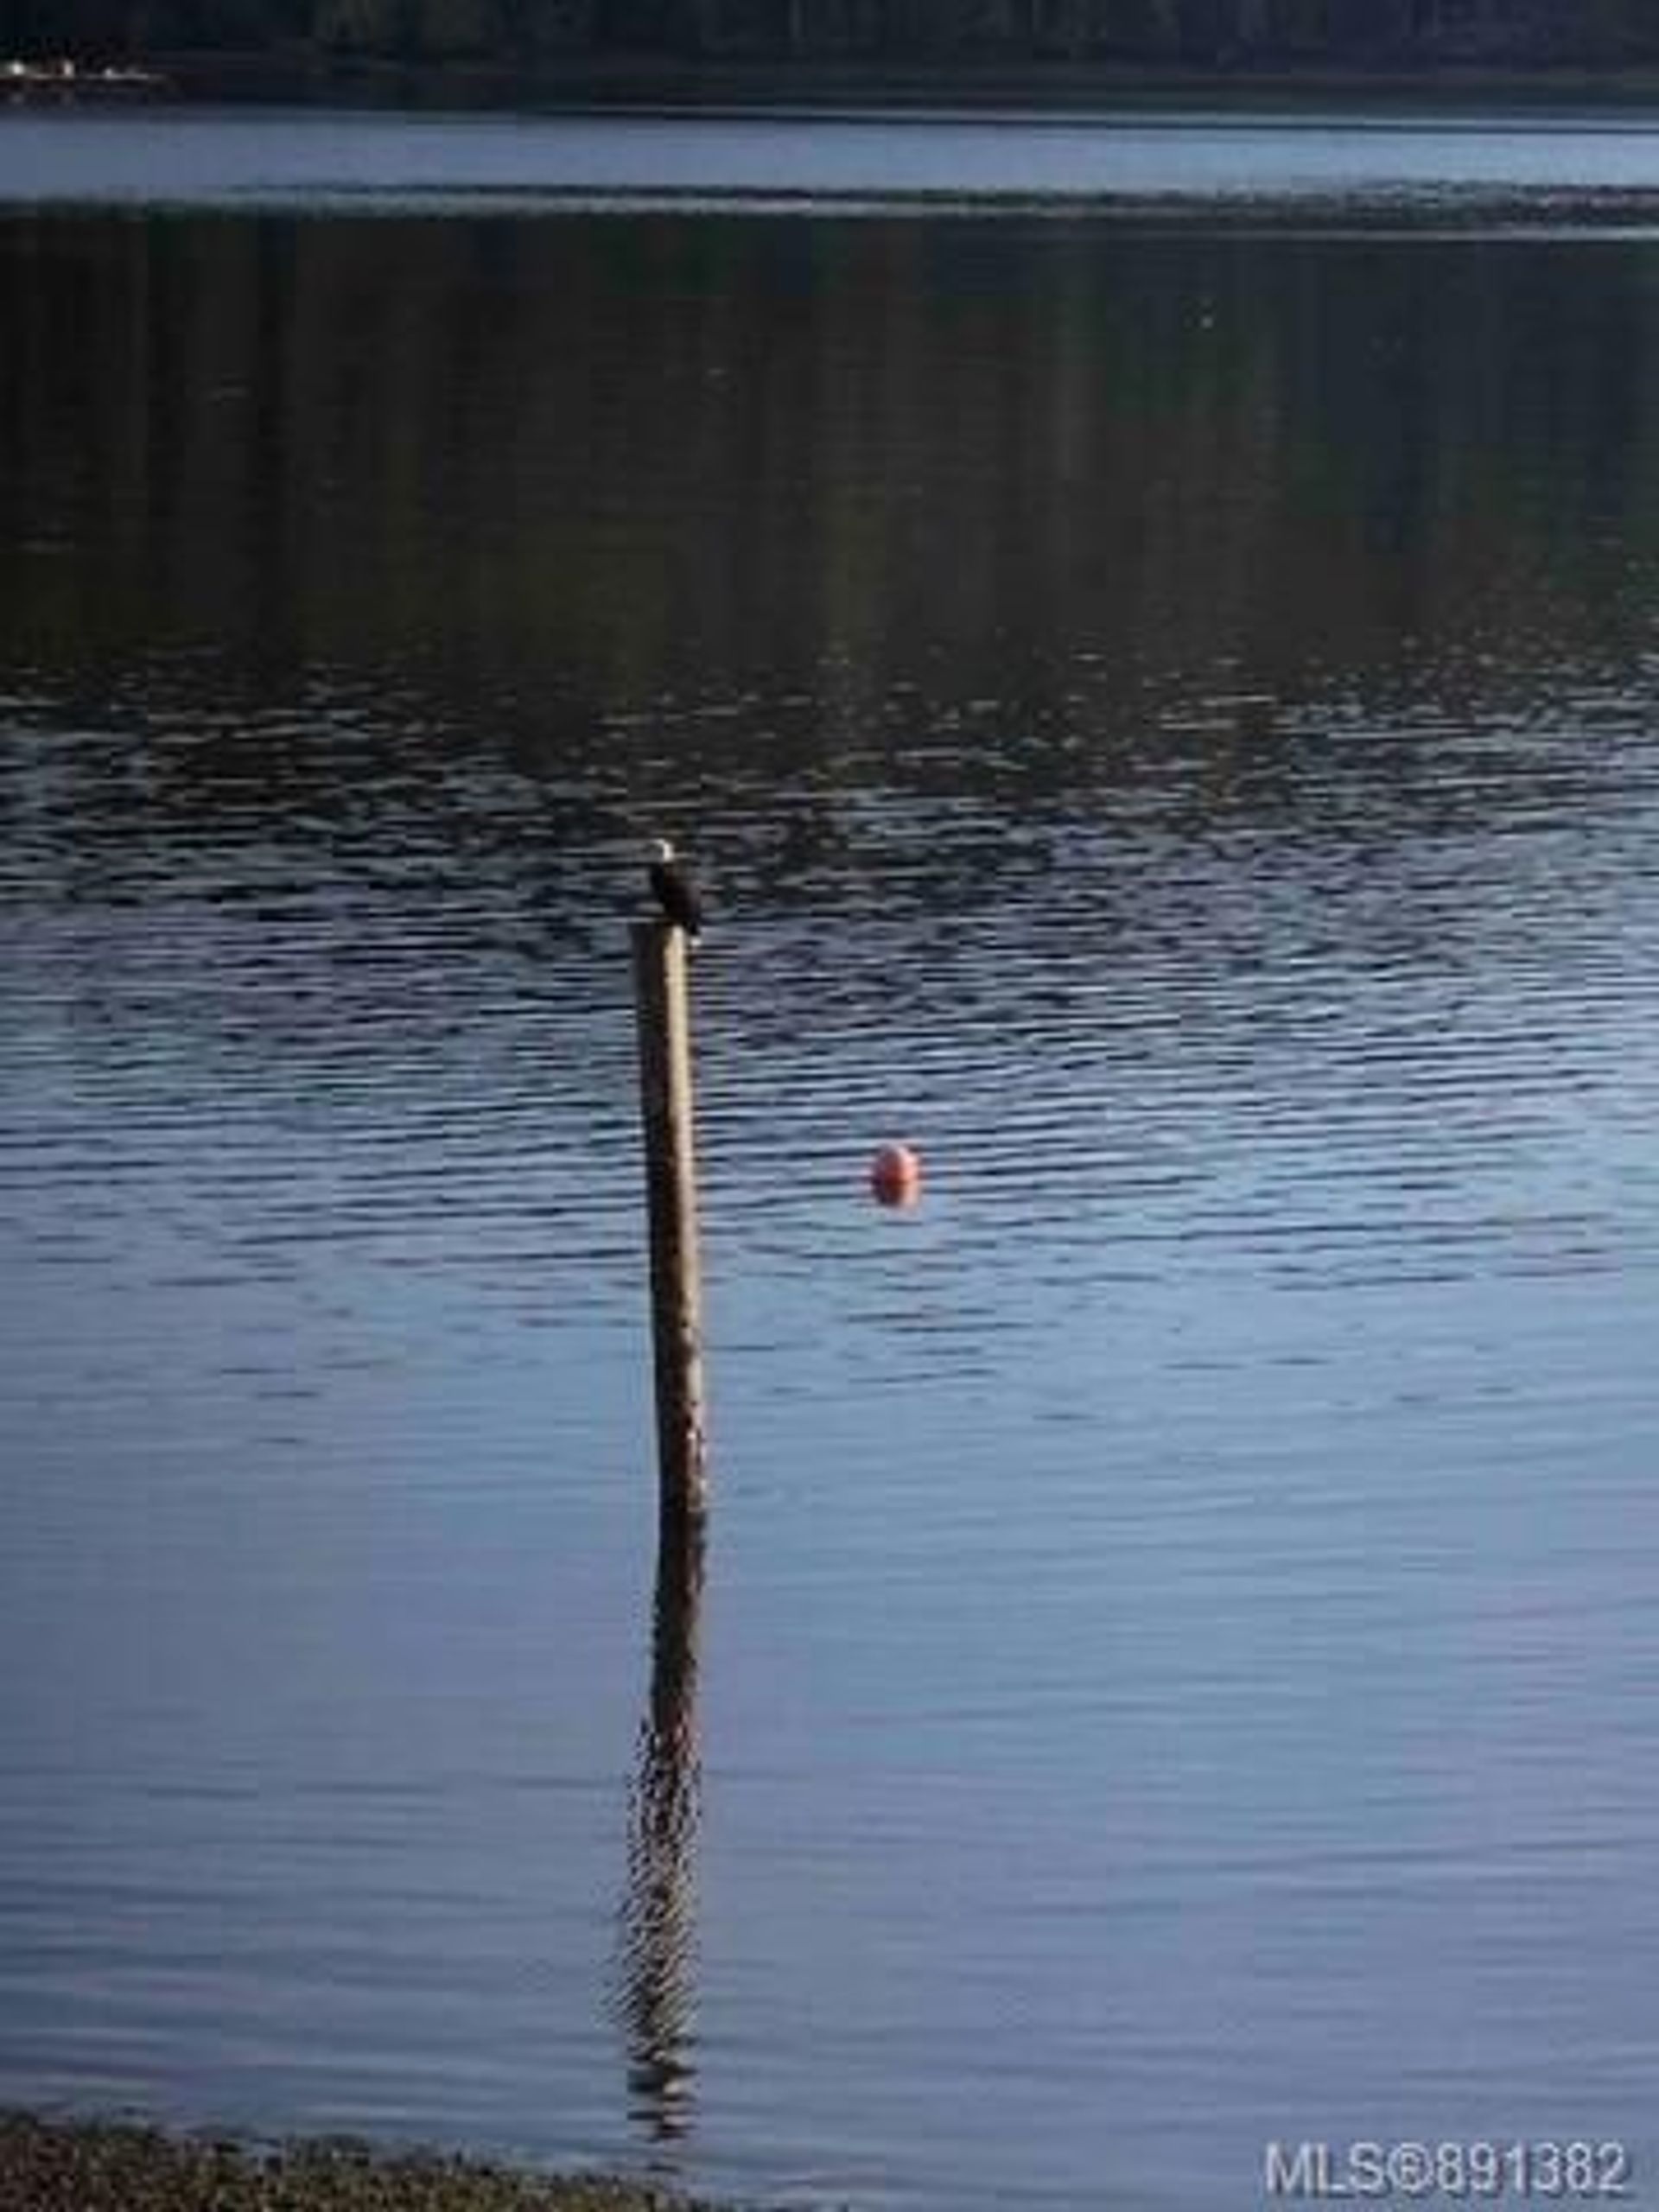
{"x":659,"y":1994}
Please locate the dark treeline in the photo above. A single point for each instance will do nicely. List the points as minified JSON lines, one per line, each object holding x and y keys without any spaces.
{"x":1231,"y":33}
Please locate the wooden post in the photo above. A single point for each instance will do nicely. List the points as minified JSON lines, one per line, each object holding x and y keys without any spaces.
{"x":669,"y":1115}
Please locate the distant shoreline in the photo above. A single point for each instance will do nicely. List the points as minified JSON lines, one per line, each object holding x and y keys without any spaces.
{"x":108,"y":2166}
{"x":67,"y":79}
{"x":589,"y":80}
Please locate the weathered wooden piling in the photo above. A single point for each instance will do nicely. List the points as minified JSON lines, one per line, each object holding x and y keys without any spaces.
{"x":668,"y":1111}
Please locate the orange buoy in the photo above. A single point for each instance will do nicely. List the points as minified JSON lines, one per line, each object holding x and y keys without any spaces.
{"x":896,"y":1176}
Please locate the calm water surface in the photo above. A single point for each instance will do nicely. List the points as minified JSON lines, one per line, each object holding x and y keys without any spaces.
{"x":1169,"y":724}
{"x":1452,"y":163}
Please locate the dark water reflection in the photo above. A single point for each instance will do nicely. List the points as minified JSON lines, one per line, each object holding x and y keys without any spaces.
{"x":657,"y":1982}
{"x":1169,"y":724}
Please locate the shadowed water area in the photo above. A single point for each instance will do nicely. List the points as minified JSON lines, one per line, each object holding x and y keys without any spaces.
{"x":1166,"y":717}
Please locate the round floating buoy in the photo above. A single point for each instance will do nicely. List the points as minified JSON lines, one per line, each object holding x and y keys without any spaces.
{"x":896,"y":1176}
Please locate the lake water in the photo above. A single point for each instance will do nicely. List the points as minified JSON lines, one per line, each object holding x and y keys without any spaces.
{"x":1168,"y":713}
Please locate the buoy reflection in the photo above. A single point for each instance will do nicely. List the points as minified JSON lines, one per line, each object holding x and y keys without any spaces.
{"x":658,"y":1997}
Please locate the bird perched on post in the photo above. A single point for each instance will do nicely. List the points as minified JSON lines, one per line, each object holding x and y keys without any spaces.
{"x":675,"y":892}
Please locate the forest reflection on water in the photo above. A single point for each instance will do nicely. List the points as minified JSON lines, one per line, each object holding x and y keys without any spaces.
{"x":1168,"y":723}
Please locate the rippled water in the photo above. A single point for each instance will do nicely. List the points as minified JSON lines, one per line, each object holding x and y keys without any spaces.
{"x":1168,"y":725}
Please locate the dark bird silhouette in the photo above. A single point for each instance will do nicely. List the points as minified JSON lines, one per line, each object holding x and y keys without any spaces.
{"x":675,"y":892}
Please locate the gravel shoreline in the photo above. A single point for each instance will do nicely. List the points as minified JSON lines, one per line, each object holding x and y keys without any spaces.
{"x":105,"y":2166}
